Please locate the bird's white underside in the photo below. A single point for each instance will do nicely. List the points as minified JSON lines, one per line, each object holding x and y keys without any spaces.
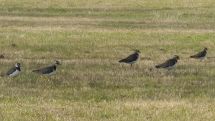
{"x":49,"y":74}
{"x":202,"y":58}
{"x":15,"y":73}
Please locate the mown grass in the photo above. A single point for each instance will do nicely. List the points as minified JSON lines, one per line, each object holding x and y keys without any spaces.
{"x":89,"y":37}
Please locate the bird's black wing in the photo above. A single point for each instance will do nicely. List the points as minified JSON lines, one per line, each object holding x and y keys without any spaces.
{"x":10,"y":71}
{"x":199,"y":55}
{"x":130,"y":58}
{"x":46,"y":70}
{"x":168,"y":63}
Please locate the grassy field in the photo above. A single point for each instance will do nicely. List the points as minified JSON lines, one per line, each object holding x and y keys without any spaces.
{"x":89,"y":37}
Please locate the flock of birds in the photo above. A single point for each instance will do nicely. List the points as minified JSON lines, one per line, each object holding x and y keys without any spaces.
{"x":131,"y":59}
{"x":170,"y":63}
{"x":49,"y":70}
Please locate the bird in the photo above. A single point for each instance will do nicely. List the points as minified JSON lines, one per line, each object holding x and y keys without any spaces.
{"x":169,"y":63}
{"x":131,"y":59}
{"x":49,"y":70}
{"x":14,"y":71}
{"x":201,"y":55}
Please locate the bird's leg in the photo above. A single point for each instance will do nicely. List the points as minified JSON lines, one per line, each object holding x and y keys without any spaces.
{"x":131,"y":65}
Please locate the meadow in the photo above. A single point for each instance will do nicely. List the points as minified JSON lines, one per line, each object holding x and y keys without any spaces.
{"x":89,"y":37}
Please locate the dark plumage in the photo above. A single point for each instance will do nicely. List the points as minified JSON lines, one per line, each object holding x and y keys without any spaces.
{"x":2,"y":56}
{"x":49,"y":70}
{"x":14,"y":71}
{"x":131,"y":59}
{"x":200,"y":55}
{"x":169,"y":63}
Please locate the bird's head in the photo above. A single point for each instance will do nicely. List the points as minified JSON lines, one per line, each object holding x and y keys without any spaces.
{"x":137,"y":51}
{"x":57,"y":62}
{"x":17,"y":65}
{"x":205,"y":49}
{"x":176,"y":57}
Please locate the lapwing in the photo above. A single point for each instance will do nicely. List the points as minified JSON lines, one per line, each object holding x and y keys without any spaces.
{"x":49,"y":70}
{"x":201,"y":55}
{"x":14,"y":71}
{"x":131,"y":59}
{"x":168,"y":64}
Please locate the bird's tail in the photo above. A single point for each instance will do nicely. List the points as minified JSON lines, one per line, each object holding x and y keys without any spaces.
{"x":35,"y":71}
{"x":157,"y":66}
{"x":121,"y":61}
{"x":192,"y":56}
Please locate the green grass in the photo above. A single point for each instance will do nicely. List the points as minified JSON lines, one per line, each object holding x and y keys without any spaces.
{"x":89,"y":37}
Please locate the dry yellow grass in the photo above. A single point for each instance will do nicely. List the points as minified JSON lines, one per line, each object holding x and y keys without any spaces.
{"x":89,"y":37}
